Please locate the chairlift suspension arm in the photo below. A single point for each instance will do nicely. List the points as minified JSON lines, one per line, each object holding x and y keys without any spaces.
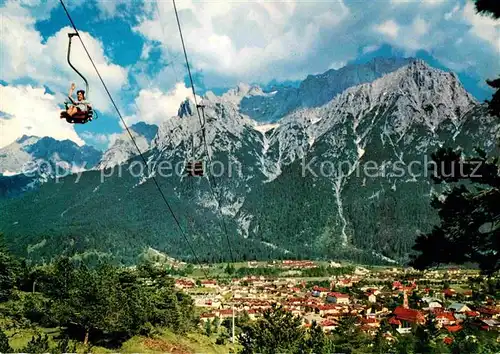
{"x":70,"y":36}
{"x":203,"y":128}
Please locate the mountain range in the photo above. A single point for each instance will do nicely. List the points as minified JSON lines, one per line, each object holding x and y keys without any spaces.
{"x":333,"y":168}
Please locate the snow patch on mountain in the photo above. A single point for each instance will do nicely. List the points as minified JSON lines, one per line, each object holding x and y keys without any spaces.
{"x":274,"y":247}
{"x":244,"y":221}
{"x":384,"y":258}
{"x":233,"y":206}
{"x":235,"y":95}
{"x":264,"y":128}
{"x":8,"y":173}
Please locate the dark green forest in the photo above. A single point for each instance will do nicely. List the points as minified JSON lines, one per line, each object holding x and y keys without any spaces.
{"x":102,"y":305}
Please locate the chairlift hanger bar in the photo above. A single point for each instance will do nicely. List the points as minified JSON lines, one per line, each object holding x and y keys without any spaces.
{"x":70,"y":36}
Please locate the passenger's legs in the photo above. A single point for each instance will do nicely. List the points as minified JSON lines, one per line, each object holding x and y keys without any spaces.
{"x":71,"y":110}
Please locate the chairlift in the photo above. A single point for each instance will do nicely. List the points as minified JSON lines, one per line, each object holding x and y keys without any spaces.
{"x":80,"y":117}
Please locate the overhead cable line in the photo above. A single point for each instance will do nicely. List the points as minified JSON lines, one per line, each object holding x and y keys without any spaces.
{"x":202,"y":124}
{"x":169,"y":54}
{"x":172,"y":56}
{"x":133,"y":140}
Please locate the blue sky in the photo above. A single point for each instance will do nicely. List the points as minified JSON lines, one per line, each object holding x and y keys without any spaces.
{"x":137,"y":48}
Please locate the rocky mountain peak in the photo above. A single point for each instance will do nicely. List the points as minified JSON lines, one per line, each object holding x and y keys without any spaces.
{"x":385,"y":111}
{"x":27,"y":139}
{"x":123,"y":148}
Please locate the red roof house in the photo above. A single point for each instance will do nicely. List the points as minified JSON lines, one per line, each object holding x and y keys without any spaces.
{"x":409,"y":315}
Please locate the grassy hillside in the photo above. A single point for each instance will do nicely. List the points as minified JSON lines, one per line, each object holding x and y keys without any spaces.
{"x":165,"y":341}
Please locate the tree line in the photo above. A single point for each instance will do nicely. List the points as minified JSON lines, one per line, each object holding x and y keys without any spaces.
{"x":103,"y":305}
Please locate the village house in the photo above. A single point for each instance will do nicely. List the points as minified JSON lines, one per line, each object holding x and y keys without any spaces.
{"x":337,"y":298}
{"x":328,"y":325}
{"x":298,"y":264}
{"x":207,"y":316}
{"x":370,"y":322}
{"x":331,"y":309}
{"x":371,"y":297}
{"x":449,"y":292}
{"x":488,"y":324}
{"x":489,"y":312}
{"x":226,"y":313}
{"x":406,"y":317}
{"x":184,"y":284}
{"x":319,"y":292}
{"x":209,"y":284}
{"x":445,"y":319}
{"x":346,"y":283}
{"x":203,"y":301}
{"x":458,"y":307}
{"x":433,"y":304}
{"x":396,"y":285}
{"x":370,"y":312}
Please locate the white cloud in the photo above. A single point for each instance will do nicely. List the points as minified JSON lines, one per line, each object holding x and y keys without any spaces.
{"x":250,"y":40}
{"x":24,"y":54}
{"x":100,"y":140}
{"x":337,"y":65}
{"x":234,"y":41}
{"x":483,"y":27}
{"x":412,"y":37}
{"x":370,"y":48}
{"x":39,"y":9}
{"x":146,"y":49}
{"x":424,"y":2}
{"x":449,"y":15}
{"x":95,"y":137}
{"x":434,"y":2}
{"x":154,"y":106}
{"x":389,"y":28}
{"x":114,"y":8}
{"x":420,"y":27}
{"x":32,"y":111}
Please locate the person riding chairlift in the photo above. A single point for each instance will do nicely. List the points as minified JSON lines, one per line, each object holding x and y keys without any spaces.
{"x":81,"y":106}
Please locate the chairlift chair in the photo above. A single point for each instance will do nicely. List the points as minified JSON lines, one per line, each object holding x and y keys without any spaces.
{"x":78,"y":117}
{"x":194,"y":168}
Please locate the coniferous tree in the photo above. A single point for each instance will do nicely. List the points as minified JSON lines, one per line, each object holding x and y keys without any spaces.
{"x":9,"y":271}
{"x":37,"y":345}
{"x":488,"y":8}
{"x":348,"y":338}
{"x":216,"y":324}
{"x":278,"y":331}
{"x":208,"y":328}
{"x":4,"y":343}
{"x":316,"y":341}
{"x":65,"y":346}
{"x":470,"y":215}
{"x":380,"y":343}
